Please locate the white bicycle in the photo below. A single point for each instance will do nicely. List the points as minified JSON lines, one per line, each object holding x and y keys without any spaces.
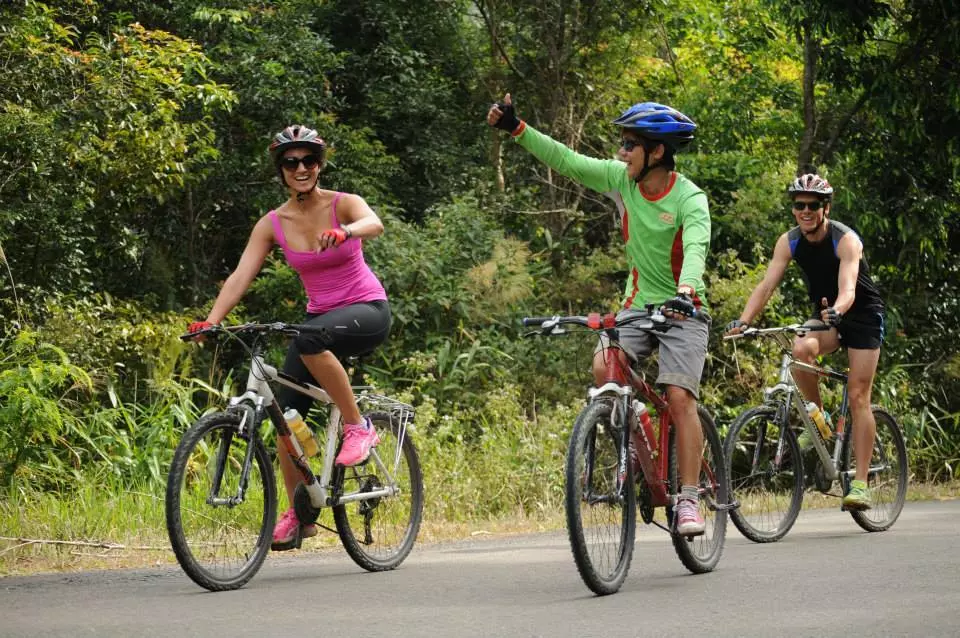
{"x":221,"y":498}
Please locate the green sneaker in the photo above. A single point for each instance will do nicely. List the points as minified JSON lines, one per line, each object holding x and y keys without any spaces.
{"x":858,"y":498}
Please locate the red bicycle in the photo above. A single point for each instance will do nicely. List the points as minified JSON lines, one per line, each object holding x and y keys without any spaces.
{"x":602,"y":492}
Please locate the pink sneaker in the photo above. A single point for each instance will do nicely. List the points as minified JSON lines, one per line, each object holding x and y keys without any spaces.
{"x":689,"y":521}
{"x":358,"y":440}
{"x":288,"y":532}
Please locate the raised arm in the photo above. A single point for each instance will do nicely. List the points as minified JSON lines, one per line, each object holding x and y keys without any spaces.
{"x":258,"y":247}
{"x":765,"y":289}
{"x":599,"y":175}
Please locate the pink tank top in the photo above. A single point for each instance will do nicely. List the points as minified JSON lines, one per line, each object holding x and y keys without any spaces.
{"x":335,"y":277}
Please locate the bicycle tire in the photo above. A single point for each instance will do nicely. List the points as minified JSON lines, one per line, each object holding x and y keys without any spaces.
{"x":770,"y":499}
{"x":595,"y":444}
{"x":700,"y":554}
{"x":199,"y":540}
{"x":396,"y":524}
{"x":891,"y":449}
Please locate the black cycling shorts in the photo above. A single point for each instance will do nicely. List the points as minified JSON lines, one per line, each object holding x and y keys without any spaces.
{"x":861,"y":331}
{"x":348,"y":331}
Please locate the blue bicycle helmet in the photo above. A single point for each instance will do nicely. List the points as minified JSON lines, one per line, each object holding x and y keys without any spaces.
{"x":658,"y":122}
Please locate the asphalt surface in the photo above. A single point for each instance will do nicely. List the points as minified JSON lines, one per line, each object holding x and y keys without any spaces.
{"x":826,"y":578}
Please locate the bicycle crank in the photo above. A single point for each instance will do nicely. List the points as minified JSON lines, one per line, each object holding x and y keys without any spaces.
{"x":820,"y":480}
{"x":303,"y":507}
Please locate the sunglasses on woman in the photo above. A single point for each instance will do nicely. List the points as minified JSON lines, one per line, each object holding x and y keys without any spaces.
{"x":308,"y":161}
{"x":798,"y":206}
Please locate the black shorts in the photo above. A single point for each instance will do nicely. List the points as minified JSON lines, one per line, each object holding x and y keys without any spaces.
{"x":860,"y":331}
{"x":350,"y":331}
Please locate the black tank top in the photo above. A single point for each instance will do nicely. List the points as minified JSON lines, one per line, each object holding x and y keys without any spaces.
{"x":821,"y":267}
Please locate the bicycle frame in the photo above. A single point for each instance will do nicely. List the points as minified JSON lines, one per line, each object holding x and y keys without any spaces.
{"x":787,"y":386}
{"x":258,"y":402}
{"x":623,"y":383}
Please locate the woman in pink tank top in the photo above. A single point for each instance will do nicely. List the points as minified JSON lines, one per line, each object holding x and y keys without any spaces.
{"x":320,"y":233}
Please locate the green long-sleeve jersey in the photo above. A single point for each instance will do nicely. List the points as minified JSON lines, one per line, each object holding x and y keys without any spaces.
{"x":666,"y":236}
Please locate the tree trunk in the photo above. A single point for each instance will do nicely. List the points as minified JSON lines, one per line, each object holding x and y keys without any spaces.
{"x":809,"y":99}
{"x":496,"y":158}
{"x":488,"y":11}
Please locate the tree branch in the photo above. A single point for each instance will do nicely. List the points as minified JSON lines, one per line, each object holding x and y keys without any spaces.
{"x":494,"y":39}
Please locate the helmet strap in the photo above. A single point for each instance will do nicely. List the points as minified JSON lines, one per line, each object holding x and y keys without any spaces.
{"x":647,"y":167}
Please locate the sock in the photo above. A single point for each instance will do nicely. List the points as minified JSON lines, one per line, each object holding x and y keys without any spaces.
{"x":364,"y":423}
{"x":690,"y":493}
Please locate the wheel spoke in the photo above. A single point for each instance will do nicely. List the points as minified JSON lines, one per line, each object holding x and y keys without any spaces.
{"x":219,"y":545}
{"x":379,"y":532}
{"x":766,"y":475}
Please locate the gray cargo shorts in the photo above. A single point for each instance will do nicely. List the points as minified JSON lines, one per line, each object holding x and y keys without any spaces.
{"x":683,"y":350}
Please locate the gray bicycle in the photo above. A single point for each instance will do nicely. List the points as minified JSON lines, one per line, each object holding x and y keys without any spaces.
{"x":766,"y":464}
{"x":221,"y":498}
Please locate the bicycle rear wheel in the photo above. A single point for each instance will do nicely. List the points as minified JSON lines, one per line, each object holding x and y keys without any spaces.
{"x":220,"y":526}
{"x":887,"y":479}
{"x":700,"y":554}
{"x":600,"y":503}
{"x":765,"y":478}
{"x":379,"y":533}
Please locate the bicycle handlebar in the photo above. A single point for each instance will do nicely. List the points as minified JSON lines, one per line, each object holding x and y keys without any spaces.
{"x":794,"y":328}
{"x":654,"y":321}
{"x":292,"y":329}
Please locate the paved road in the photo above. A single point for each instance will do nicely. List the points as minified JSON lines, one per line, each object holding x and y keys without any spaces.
{"x":826,"y":578}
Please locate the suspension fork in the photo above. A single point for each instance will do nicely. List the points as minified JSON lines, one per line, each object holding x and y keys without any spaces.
{"x":622,"y":407}
{"x":781,"y":419}
{"x":247,"y":421}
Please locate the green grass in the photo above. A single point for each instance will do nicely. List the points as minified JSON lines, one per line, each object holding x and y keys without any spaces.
{"x":126,"y":528}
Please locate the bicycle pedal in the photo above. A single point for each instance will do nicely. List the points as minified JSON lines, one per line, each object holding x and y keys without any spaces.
{"x":726,"y":508}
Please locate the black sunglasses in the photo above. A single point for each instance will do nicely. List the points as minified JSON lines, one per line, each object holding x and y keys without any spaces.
{"x":808,"y":205}
{"x":629,"y":145}
{"x":308,"y":161}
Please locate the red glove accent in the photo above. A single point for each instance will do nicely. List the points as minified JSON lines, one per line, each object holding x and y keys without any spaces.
{"x":197,"y":326}
{"x":333,"y":237}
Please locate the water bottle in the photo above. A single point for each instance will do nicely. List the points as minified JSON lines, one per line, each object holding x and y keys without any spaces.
{"x":302,"y":431}
{"x":820,"y":420}
{"x":646,"y":425}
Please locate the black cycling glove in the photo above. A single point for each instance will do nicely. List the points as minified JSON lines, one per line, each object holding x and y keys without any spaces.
{"x":681,"y":304}
{"x":736,"y":323}
{"x":508,"y":121}
{"x":832,"y":316}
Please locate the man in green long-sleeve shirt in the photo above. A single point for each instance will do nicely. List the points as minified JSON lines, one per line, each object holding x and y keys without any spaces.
{"x":666,"y":229}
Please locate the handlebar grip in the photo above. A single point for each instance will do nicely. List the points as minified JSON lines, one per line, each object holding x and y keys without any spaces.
{"x":534,"y":321}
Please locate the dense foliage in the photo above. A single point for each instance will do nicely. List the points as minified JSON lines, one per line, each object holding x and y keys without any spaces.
{"x":133,"y":167}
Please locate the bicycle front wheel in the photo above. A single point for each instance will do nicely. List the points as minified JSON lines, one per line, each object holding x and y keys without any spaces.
{"x":600,"y":502}
{"x":700,"y":554}
{"x":379,"y":533}
{"x":887,"y":478}
{"x":766,"y":474}
{"x":220,"y":516}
